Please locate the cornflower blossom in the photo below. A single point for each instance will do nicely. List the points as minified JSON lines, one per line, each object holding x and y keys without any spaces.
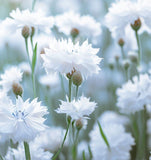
{"x":38,"y":20}
{"x":135,"y":94}
{"x":125,"y":12}
{"x":119,"y":141}
{"x":12,"y":75}
{"x":36,"y":153}
{"x":71,"y":23}
{"x":65,"y":57}
{"x":47,"y":141}
{"x":22,"y":120}
{"x":77,"y":109}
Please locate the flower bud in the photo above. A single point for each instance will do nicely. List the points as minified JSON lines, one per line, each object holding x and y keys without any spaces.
{"x":42,"y":51}
{"x":133,"y":56}
{"x":126,"y":64}
{"x":68,"y":119}
{"x":111,"y":65}
{"x":74,"y":32}
{"x":17,"y":89}
{"x":79,"y":124}
{"x":77,"y":78}
{"x":25,"y":32}
{"x":121,"y":42}
{"x":69,"y":75}
{"x":32,"y":31}
{"x":136,"y":25}
{"x":117,"y":57}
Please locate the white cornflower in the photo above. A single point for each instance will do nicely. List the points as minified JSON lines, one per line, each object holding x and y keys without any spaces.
{"x":63,"y":56}
{"x":22,"y":120}
{"x":32,"y":19}
{"x":51,"y":139}
{"x":134,"y":94}
{"x":36,"y":153}
{"x":77,"y":109}
{"x":11,"y":75}
{"x":25,"y":68}
{"x":109,"y":117}
{"x":72,"y":23}
{"x":125,"y":12}
{"x":51,"y":80}
{"x":120,"y":143}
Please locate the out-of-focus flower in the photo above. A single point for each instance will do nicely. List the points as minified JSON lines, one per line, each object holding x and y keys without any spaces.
{"x":71,"y":22}
{"x":10,"y":76}
{"x":25,"y":68}
{"x":134,"y":94}
{"x":51,"y":139}
{"x":109,"y":117}
{"x":120,"y":143}
{"x":50,"y":81}
{"x":36,"y":153}
{"x":81,"y":108}
{"x":31,"y":19}
{"x":22,"y":120}
{"x":65,"y":57}
{"x":125,"y":12}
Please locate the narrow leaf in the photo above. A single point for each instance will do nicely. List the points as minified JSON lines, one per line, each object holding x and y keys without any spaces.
{"x":34,"y":58}
{"x":103,"y":135}
{"x":83,"y":155}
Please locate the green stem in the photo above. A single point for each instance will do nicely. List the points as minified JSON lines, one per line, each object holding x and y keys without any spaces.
{"x":26,"y":43}
{"x":27,"y":151}
{"x":56,"y":155}
{"x":70,"y":87}
{"x":122,"y":50}
{"x":1,"y":158}
{"x":77,"y":88}
{"x":33,"y":4}
{"x":139,"y":48}
{"x":31,"y":41}
{"x":34,"y":86}
{"x":74,"y":150}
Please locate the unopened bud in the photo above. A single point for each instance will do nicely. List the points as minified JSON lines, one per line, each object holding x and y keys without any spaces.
{"x":17,"y":89}
{"x":111,"y":65}
{"x":77,"y":78}
{"x":68,"y":119}
{"x":137,"y":24}
{"x":42,"y":51}
{"x":25,"y":32}
{"x":32,"y":31}
{"x":117,"y":57}
{"x":74,"y":32}
{"x":133,"y":56}
{"x":79,"y":124}
{"x":121,"y":42}
{"x":126,"y":64}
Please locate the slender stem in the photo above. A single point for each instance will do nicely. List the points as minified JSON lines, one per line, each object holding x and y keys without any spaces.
{"x":34,"y":86}
{"x":31,"y":41}
{"x":27,"y":151}
{"x":70,"y":87}
{"x":77,"y":88}
{"x":1,"y":158}
{"x":62,"y":84}
{"x":33,"y":75}
{"x":56,"y":155}
{"x":122,"y":50}
{"x":74,"y":150}
{"x":26,"y":43}
{"x":33,"y":4}
{"x":139,"y":47}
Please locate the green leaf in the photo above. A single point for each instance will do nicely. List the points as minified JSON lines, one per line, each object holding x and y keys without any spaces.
{"x":83,"y":155}
{"x":1,"y":158}
{"x":103,"y":135}
{"x":90,"y":152}
{"x":34,"y":58}
{"x":27,"y":151}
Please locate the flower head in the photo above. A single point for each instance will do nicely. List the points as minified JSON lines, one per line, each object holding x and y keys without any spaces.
{"x":81,"y":108}
{"x":71,"y":23}
{"x":31,"y":19}
{"x":36,"y":153}
{"x":126,"y":12}
{"x":134,"y":94}
{"x":120,"y":143}
{"x":22,"y":120}
{"x":10,"y":76}
{"x":63,"y":56}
